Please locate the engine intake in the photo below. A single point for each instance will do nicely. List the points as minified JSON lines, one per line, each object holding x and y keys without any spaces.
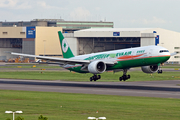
{"x":97,"y":67}
{"x":149,"y":69}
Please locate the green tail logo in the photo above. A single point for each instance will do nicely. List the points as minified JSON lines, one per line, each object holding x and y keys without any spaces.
{"x":67,"y":53}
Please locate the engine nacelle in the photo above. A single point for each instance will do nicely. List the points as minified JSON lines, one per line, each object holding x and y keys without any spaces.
{"x":97,"y":67}
{"x":149,"y":69}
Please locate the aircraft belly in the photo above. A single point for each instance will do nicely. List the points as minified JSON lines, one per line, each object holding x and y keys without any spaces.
{"x":156,"y":60}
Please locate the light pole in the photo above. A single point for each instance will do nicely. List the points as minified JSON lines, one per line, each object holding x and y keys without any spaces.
{"x":13,"y":113}
{"x":94,"y":118}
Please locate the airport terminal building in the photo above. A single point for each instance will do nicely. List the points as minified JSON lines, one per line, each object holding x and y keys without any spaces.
{"x":43,"y":40}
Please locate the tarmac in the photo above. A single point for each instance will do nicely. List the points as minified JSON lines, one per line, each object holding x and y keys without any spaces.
{"x":160,"y":89}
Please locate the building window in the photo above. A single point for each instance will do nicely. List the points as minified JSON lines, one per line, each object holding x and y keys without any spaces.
{"x":22,"y":33}
{"x":5,"y":33}
{"x":176,"y":47}
{"x":176,"y":56}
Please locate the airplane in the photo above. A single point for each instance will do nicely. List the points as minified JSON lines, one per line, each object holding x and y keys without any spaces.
{"x":149,"y":58}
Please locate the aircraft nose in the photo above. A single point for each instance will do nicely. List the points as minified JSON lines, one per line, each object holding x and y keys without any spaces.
{"x":167,"y":53}
{"x":165,"y":57}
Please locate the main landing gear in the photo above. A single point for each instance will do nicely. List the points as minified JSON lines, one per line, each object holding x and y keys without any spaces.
{"x":124,"y":77}
{"x":95,"y":77}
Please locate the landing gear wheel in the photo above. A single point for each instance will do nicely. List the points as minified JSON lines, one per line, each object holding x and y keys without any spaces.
{"x":95,"y":77}
{"x":128,"y":76}
{"x":159,"y":71}
{"x":120,"y":78}
{"x":124,"y":77}
{"x":99,"y":76}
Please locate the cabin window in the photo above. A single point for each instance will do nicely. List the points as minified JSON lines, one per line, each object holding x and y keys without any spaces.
{"x":161,"y":51}
{"x":22,"y":33}
{"x":176,"y":47}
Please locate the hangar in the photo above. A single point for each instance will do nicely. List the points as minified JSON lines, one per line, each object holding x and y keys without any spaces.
{"x":98,"y":40}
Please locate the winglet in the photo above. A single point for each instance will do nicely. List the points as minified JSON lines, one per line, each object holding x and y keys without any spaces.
{"x":67,"y":53}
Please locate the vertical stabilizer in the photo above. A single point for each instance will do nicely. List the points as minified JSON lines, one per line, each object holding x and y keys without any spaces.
{"x":67,"y":53}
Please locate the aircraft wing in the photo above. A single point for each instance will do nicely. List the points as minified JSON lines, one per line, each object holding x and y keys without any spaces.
{"x":61,"y":60}
{"x":54,"y":59}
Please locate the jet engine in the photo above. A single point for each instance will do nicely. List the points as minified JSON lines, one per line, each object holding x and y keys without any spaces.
{"x":97,"y":67}
{"x":149,"y":69}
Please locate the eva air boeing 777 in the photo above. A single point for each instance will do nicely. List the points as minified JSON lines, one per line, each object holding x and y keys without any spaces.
{"x":148,"y":58}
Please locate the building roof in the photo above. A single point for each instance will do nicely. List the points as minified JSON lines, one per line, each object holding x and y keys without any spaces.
{"x":114,"y":29}
{"x":115,"y":32}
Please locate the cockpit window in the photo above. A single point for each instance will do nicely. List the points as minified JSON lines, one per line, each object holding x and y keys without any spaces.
{"x":161,"y":51}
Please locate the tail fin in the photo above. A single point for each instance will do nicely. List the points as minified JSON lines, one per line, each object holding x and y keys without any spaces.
{"x":67,"y":53}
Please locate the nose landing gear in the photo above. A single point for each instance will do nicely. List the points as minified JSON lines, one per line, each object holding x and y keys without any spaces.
{"x":95,"y":77}
{"x":160,"y":70}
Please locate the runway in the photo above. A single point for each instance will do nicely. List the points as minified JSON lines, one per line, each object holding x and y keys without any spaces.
{"x":162,"y":89}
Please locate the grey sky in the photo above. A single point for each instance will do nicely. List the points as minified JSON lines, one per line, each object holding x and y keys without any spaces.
{"x":124,"y":13}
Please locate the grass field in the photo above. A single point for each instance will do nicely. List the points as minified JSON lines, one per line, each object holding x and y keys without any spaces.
{"x":171,"y":66}
{"x":81,"y":106}
{"x":71,"y":76}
